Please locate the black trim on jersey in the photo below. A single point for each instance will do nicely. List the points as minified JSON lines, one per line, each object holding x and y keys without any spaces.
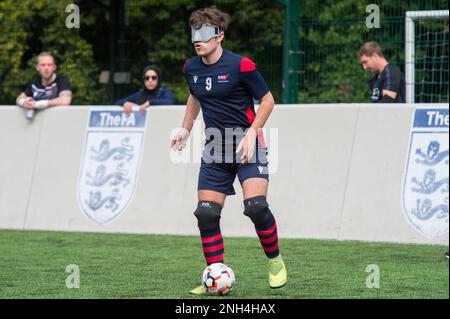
{"x":37,"y":91}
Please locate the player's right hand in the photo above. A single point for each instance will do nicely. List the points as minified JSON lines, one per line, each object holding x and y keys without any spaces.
{"x":179,"y":141}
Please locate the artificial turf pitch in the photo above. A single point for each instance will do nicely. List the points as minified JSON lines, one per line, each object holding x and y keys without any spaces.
{"x":33,"y":265}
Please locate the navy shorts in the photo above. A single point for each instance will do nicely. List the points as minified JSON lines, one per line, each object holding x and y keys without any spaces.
{"x":219,"y":176}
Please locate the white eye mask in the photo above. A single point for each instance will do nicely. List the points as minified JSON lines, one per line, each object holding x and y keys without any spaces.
{"x":205,"y":33}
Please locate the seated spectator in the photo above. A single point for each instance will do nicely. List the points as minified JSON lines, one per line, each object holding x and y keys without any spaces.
{"x":46,"y":89}
{"x":151,"y":94}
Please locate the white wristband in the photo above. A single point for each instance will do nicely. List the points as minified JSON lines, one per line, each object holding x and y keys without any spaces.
{"x":21,"y":102}
{"x":42,"y":104}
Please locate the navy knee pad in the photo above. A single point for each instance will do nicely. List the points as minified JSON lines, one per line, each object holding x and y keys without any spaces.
{"x":257,"y":209}
{"x":208,"y":214}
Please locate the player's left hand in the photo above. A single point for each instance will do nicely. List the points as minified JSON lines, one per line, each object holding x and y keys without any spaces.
{"x":247,"y":145}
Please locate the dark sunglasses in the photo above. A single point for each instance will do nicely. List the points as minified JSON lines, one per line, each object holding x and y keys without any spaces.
{"x":153,"y":77}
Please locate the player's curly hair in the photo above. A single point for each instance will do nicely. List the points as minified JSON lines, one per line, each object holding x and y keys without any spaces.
{"x":210,"y":15}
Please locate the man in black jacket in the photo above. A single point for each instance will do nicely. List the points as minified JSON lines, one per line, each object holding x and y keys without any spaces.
{"x":388,"y":83}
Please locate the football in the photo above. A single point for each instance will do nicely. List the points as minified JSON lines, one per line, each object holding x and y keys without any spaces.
{"x":218,"y":279}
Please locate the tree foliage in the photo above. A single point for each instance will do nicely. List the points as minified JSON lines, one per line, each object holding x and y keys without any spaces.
{"x":330,"y":36}
{"x":157,"y":31}
{"x":33,"y":26}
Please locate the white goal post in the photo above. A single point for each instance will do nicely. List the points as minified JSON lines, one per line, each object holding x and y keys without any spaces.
{"x":411,"y":17}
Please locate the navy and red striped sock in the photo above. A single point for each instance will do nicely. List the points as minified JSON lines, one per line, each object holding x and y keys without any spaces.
{"x":268,"y":237}
{"x":212,"y":245}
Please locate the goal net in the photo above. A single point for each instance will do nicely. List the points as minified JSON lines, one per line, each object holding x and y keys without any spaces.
{"x":426,"y":56}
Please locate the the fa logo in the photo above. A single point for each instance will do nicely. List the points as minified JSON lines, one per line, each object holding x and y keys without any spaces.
{"x":110,"y":163}
{"x":426,"y":183}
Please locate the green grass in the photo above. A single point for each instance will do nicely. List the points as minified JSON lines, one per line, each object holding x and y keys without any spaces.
{"x":33,"y":265}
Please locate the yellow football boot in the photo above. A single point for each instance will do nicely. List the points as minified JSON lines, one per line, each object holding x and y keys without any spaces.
{"x":198,"y":291}
{"x":277,"y":272}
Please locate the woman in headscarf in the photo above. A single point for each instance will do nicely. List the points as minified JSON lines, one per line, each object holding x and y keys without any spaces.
{"x":151,"y":94}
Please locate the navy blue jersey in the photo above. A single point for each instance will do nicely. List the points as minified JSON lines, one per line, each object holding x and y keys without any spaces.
{"x":226,"y":89}
{"x":391,"y":79}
